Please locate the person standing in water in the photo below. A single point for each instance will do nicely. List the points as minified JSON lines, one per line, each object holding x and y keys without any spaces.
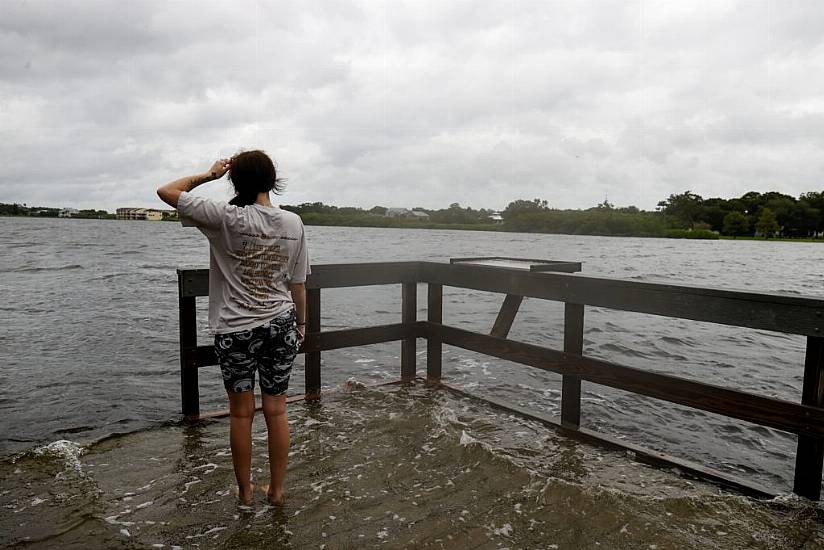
{"x":257,"y":300}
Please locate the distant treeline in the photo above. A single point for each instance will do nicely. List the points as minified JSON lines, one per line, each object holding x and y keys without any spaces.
{"x":685,"y":215}
{"x":47,"y":212}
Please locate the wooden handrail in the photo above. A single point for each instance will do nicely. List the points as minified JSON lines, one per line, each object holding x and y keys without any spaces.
{"x":774,"y":312}
{"x":766,"y":411}
{"x":803,"y":315}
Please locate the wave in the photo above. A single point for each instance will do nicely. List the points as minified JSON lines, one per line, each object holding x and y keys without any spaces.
{"x":40,"y":269}
{"x":65,"y":452}
{"x":369,"y":461}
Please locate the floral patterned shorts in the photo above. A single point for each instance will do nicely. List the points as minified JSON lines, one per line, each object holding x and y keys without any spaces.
{"x":269,"y":349}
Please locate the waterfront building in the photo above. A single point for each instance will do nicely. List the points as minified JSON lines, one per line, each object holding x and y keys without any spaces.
{"x":407,"y":213}
{"x":139,"y":214}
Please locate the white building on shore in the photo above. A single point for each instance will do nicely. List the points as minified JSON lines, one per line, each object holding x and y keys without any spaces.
{"x":139,"y":214}
{"x":406,"y":213}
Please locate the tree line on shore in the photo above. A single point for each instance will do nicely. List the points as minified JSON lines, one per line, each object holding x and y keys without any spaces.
{"x":685,"y":215}
{"x":49,"y":212}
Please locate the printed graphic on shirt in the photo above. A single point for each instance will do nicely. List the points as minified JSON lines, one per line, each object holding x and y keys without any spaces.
{"x":259,"y":266}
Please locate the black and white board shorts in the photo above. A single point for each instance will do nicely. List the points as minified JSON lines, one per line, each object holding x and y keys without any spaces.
{"x":269,"y":349}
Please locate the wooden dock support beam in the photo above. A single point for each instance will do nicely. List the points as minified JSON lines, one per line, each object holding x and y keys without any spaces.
{"x":571,"y":385}
{"x":312,"y":370}
{"x":409,"y":315}
{"x":506,"y":315}
{"x":809,"y":456}
{"x":434,"y":346}
{"x":189,"y":391}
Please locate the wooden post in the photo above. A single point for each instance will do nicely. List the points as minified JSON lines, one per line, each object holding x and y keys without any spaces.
{"x":312,"y":359}
{"x":571,"y":385}
{"x":189,"y":392}
{"x":809,"y":456}
{"x":506,"y":316}
{"x":434,"y":346}
{"x":409,"y":314}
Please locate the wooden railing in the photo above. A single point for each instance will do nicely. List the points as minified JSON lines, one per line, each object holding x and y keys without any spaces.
{"x":772,"y":312}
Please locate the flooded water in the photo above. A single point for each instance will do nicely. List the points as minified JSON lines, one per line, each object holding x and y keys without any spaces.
{"x":390,"y":467}
{"x":90,"y":350}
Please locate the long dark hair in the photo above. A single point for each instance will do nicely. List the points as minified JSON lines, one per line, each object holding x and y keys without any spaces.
{"x":251,"y":173}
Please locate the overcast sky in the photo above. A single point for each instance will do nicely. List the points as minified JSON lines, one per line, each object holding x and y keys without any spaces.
{"x":413,"y":103}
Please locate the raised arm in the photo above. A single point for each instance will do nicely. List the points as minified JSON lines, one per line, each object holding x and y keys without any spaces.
{"x":170,"y":192}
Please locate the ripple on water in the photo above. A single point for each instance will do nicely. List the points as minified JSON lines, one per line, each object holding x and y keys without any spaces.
{"x":403,"y":466}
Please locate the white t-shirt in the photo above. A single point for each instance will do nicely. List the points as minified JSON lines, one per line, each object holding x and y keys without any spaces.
{"x":255,"y":253}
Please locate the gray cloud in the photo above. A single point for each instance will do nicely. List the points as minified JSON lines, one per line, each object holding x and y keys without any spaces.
{"x":413,"y":103}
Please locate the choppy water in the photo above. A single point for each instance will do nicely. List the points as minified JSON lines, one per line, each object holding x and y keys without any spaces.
{"x":393,"y":467}
{"x":89,"y":333}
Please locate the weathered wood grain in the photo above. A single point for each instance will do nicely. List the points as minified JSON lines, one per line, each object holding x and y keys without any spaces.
{"x":434,"y":347}
{"x":311,"y":374}
{"x":409,"y":312}
{"x":775,"y":413}
{"x":775,"y":312}
{"x":506,"y":316}
{"x":573,"y":344}
{"x":809,"y":456}
{"x":189,"y":391}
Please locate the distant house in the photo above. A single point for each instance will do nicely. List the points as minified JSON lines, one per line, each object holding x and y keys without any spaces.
{"x":139,"y":214}
{"x":496,"y":217}
{"x":406,"y":213}
{"x":68,"y":213}
{"x":398,"y":213}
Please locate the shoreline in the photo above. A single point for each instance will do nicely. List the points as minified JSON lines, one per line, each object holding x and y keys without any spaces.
{"x":497,"y":228}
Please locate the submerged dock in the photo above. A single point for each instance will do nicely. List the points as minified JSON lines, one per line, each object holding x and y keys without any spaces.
{"x":389,"y":467}
{"x":419,"y":463}
{"x":558,"y":281}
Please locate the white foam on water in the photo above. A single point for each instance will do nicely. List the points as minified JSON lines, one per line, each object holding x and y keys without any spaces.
{"x":206,"y":533}
{"x":113,"y":520}
{"x":467,"y":439}
{"x":188,"y":485}
{"x":147,"y":486}
{"x":144,"y":505}
{"x":125,"y":533}
{"x":67,"y":451}
{"x":36,"y":500}
{"x":504,"y":530}
{"x":359,"y":361}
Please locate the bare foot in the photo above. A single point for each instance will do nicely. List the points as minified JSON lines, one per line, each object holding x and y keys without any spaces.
{"x":275,"y":498}
{"x":245,"y":495}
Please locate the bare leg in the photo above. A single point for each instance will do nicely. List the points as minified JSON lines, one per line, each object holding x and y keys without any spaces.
{"x":241,"y":414}
{"x":277,"y":426}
